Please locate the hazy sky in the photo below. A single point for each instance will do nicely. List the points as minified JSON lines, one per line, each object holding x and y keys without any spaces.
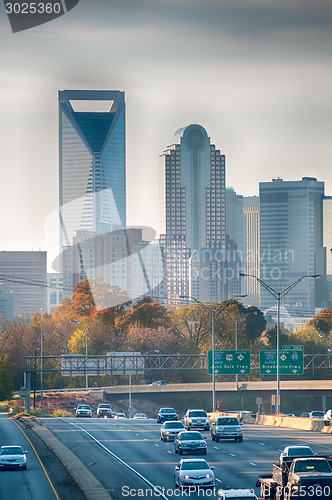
{"x":257,"y":74}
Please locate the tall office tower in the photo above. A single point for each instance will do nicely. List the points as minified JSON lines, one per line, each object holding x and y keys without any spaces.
{"x":92,"y":162}
{"x":327,"y":242}
{"x":192,"y":203}
{"x":291,"y":239}
{"x":250,"y":262}
{"x":25,"y":274}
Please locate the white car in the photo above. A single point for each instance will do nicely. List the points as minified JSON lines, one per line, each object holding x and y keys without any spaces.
{"x":237,"y":494}
{"x":13,"y":457}
{"x":104,"y":410}
{"x":83,"y":411}
{"x":296,"y":451}
{"x":317,"y":414}
{"x":120,"y":415}
{"x":140,"y":416}
{"x":169,"y":430}
{"x":193,"y":472}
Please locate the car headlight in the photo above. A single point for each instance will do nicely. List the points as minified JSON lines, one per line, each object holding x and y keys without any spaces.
{"x":202,"y":444}
{"x":186,"y":476}
{"x":238,"y":428}
{"x":208,"y":476}
{"x":167,"y":432}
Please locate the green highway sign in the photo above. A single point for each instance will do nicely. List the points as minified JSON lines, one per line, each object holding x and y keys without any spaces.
{"x":290,"y":362}
{"x":230,"y":362}
{"x":293,"y":347}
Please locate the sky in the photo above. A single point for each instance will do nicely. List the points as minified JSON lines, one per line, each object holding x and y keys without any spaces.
{"x":256,"y":74}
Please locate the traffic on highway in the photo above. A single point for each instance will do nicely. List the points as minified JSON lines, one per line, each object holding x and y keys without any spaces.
{"x":130,"y":459}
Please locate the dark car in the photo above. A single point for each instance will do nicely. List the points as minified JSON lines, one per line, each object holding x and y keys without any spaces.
{"x":166,"y":414}
{"x":190,"y":442}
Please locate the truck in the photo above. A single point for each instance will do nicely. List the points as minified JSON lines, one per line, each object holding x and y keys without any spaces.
{"x":296,"y":478}
{"x":226,"y":428}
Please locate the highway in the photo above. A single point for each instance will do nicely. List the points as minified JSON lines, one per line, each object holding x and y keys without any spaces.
{"x":129,"y":459}
{"x":44,"y":479}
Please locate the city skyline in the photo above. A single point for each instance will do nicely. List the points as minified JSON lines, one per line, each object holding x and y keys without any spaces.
{"x":261,"y":90}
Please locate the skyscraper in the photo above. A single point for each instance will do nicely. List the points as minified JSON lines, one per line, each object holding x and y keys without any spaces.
{"x":92,"y":162}
{"x":250,"y":262}
{"x":291,"y":239}
{"x":92,"y":190}
{"x":193,"y":213}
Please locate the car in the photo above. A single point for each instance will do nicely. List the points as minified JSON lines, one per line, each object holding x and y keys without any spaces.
{"x":120,"y":415}
{"x":289,"y":415}
{"x":13,"y":457}
{"x":296,"y":451}
{"x":237,"y":494}
{"x":140,"y":416}
{"x":169,"y":430}
{"x":83,"y":411}
{"x":194,"y":472}
{"x":166,"y":414}
{"x":190,"y":442}
{"x":158,"y":383}
{"x":317,"y":414}
{"x":196,"y":418}
{"x":328,"y":415}
{"x":305,"y":414}
{"x":226,"y":428}
{"x":104,"y":410}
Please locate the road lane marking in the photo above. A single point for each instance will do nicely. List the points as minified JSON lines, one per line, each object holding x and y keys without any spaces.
{"x":254,"y":465}
{"x":232,"y":455}
{"x":216,"y":447}
{"x":219,"y":480}
{"x":153,"y":486}
{"x":262,"y":444}
{"x":156,"y":444}
{"x":41,"y":463}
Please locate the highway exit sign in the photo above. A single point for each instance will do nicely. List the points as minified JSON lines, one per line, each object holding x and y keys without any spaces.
{"x":230,"y":362}
{"x":290,"y":362}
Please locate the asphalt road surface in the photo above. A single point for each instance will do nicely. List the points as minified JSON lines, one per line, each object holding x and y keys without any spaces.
{"x":129,"y":459}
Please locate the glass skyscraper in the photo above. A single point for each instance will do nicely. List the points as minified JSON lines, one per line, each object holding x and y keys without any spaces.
{"x":291,"y":239}
{"x":92,"y":162}
{"x":193,"y":217}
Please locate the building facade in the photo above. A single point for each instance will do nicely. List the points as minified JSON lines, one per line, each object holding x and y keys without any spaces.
{"x":25,"y":275}
{"x":291,"y":240}
{"x":193,"y":214}
{"x":250,"y":261}
{"x":92,"y":170}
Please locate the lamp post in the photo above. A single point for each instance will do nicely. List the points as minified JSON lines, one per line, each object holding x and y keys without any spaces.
{"x":213,"y":313}
{"x":86,"y":352}
{"x":41,"y":367}
{"x":278,"y":296}
{"x":35,"y":377}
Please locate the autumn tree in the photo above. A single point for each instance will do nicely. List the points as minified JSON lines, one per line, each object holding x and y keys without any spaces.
{"x":145,"y":313}
{"x":190,"y":322}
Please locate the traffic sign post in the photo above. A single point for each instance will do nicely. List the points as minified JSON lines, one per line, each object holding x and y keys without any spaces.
{"x":230,"y":362}
{"x":290,"y":362}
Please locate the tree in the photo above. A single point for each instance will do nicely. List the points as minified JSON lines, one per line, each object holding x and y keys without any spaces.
{"x":190,"y":324}
{"x":6,"y":379}
{"x":143,"y":339}
{"x":146,"y":313}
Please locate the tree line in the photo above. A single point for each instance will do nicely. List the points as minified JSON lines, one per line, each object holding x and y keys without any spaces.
{"x":143,"y":326}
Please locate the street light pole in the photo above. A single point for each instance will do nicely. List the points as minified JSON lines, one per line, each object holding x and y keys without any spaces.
{"x":236,"y":323}
{"x":213,"y":313}
{"x":278,"y":296}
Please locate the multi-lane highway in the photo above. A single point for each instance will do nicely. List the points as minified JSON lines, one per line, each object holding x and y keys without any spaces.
{"x":129,"y":459}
